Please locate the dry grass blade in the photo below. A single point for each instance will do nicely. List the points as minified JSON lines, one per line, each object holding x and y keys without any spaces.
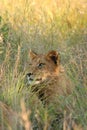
{"x":25,"y":116}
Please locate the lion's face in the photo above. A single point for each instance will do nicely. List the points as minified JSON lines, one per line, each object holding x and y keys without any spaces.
{"x":43,"y":67}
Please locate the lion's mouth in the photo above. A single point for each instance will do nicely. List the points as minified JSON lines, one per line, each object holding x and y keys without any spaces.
{"x":32,"y":81}
{"x":39,"y":79}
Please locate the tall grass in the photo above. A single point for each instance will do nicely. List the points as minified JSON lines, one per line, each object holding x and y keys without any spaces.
{"x":42,"y":26}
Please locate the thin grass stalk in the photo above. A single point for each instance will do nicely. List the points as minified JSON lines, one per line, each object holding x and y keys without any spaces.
{"x":17,"y":61}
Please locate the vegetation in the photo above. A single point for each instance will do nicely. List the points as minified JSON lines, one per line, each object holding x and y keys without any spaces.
{"x":41,"y":26}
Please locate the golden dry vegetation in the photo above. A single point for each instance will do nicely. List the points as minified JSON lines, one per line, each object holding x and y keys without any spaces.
{"x":42,"y":26}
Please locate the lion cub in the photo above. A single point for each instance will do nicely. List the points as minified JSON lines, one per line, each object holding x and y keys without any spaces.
{"x":47,"y":77}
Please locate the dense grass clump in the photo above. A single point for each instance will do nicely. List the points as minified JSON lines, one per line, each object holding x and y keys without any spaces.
{"x":41,"y":26}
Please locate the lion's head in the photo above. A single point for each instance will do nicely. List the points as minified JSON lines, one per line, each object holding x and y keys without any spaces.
{"x":43,"y":66}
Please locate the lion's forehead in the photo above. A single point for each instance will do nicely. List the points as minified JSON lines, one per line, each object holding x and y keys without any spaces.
{"x":40,"y":59}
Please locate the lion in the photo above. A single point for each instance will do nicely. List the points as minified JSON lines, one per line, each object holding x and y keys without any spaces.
{"x":47,"y":76}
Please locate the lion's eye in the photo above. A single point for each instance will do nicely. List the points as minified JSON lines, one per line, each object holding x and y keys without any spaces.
{"x":41,"y":65}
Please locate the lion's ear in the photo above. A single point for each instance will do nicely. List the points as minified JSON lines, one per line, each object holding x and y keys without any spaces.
{"x":32,"y":55}
{"x":54,"y":56}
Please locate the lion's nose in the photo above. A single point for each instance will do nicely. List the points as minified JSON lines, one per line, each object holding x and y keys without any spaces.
{"x":29,"y":74}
